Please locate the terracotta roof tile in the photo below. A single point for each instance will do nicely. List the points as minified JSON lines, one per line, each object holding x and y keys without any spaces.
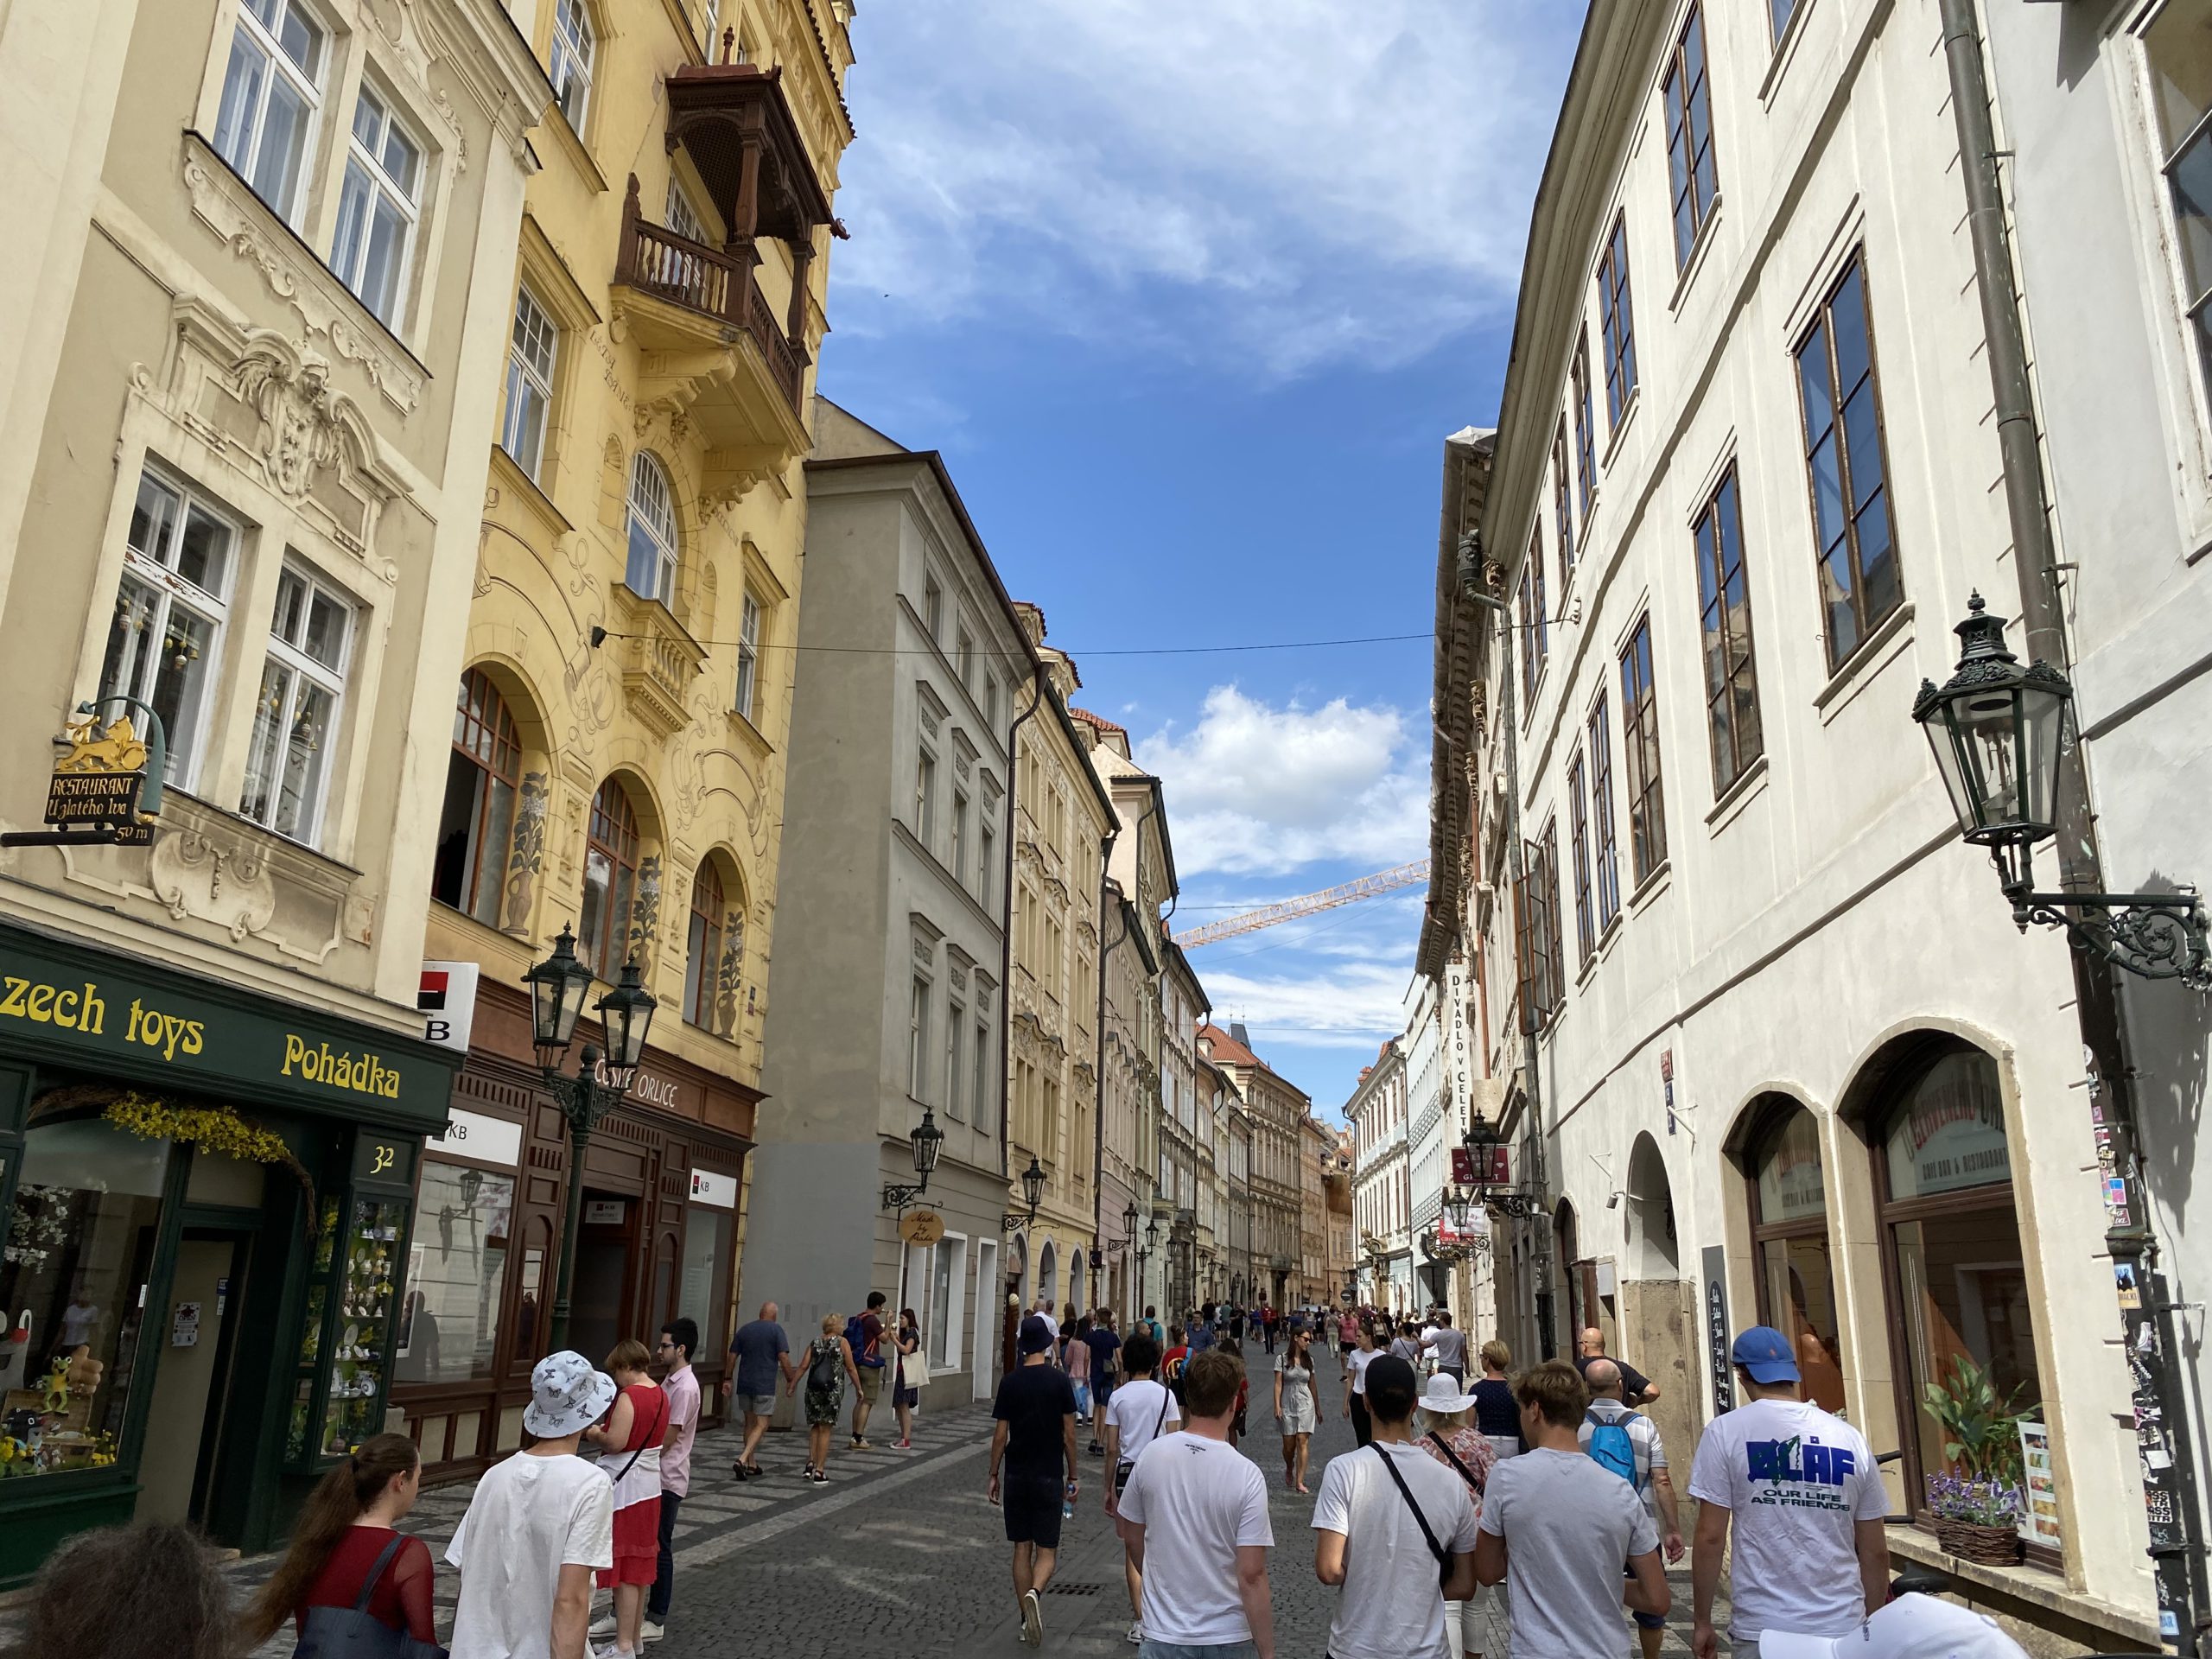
{"x":1098,"y":721}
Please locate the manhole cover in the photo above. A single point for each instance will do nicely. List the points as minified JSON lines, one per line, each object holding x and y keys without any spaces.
{"x":1073,"y":1589}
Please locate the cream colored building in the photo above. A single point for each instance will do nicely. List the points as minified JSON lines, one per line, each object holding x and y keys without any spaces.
{"x":251,"y":328}
{"x":1063,"y":821}
{"x":1382,"y":1201}
{"x":612,"y":742}
{"x":1275,"y":1111}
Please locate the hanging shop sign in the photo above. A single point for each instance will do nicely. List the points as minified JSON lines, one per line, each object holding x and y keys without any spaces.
{"x":480,"y":1138}
{"x":447,"y":1002}
{"x":922,"y":1227}
{"x":93,"y":797}
{"x":716,"y":1191}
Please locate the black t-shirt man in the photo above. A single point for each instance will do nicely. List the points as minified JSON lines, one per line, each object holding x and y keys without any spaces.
{"x":1633,"y":1382}
{"x":1104,"y":1344}
{"x":1034,"y":1403}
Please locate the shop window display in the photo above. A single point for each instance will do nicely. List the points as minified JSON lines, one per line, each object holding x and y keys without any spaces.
{"x":79,"y":1251}
{"x":457,"y":1262}
{"x":1790,"y":1225}
{"x":706,"y":1248}
{"x":354,"y":1408}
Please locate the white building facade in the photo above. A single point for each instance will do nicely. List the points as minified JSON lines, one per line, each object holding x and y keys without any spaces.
{"x":1381,"y":1204}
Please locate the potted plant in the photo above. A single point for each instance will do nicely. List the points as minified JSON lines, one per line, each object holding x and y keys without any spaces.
{"x":1977,"y":1501}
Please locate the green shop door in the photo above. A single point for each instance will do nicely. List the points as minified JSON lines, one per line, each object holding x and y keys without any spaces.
{"x":197,"y":1335}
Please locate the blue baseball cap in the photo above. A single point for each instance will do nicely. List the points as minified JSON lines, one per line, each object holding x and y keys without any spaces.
{"x":1766,"y":1353}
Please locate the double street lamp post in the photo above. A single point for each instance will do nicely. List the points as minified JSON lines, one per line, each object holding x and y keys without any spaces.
{"x":558,"y":985}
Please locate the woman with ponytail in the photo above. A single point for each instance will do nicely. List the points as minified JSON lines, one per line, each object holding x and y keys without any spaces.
{"x":343,"y":1532}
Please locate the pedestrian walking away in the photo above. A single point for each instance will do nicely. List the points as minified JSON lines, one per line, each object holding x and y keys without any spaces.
{"x":1627,"y":1443}
{"x":1449,"y":1434}
{"x":763,"y":1362}
{"x":1356,"y":1363}
{"x":1397,"y":1531}
{"x":828,"y":1367}
{"x":1556,"y":1528}
{"x":1143,"y":1410}
{"x":1199,"y":1330}
{"x":1078,"y":1368}
{"x":1196,"y":1514}
{"x":679,"y":1338}
{"x":150,"y":1591}
{"x":1449,"y":1344}
{"x":1911,"y":1627}
{"x":1106,"y":1362}
{"x":1800,"y":1490}
{"x":1173,"y":1360}
{"x":1496,"y":1414}
{"x":632,"y":1439}
{"x":1235,"y":1350}
{"x":1296,"y":1409}
{"x":863,"y":1334}
{"x":1268,"y":1321}
{"x":348,"y":1567}
{"x":911,"y":1374}
{"x":1033,"y":1467}
{"x":539,"y":1524}
{"x":1636,"y":1388}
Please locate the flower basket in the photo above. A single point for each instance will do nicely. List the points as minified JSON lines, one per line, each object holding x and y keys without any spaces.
{"x":1970,"y":1540}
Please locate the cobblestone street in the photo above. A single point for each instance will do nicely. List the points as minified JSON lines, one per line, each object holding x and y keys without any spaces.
{"x":902,"y":1553}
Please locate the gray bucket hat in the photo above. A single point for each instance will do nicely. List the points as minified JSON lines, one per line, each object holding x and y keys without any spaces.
{"x":566,"y":1396}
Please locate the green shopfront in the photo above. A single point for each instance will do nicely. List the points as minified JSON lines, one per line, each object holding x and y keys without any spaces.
{"x":204,"y":1201}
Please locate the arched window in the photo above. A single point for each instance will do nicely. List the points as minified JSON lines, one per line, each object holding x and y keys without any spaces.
{"x":1958,"y":1280}
{"x":1790,"y":1241}
{"x":610,"y":880}
{"x":575,"y":48}
{"x":712,"y":954}
{"x":476,"y":825}
{"x":651,"y":572}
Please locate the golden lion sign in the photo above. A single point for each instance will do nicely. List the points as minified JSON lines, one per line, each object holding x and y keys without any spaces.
{"x":93,"y":794}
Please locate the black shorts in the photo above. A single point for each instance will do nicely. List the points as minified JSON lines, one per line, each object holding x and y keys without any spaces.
{"x":1032,"y":1504}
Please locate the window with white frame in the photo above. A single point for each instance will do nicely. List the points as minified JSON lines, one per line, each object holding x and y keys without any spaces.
{"x":530,"y":383}
{"x":377,"y":208}
{"x":169,"y":610}
{"x":271,"y":89}
{"x":985,"y":1098}
{"x":986,"y":860}
{"x":296,"y":717}
{"x":924,"y":797}
{"x":956,"y":1059}
{"x":651,"y":570}
{"x":991,"y":701}
{"x":2178,"y":52}
{"x":966,"y":658}
{"x":748,"y":655}
{"x":679,"y":215}
{"x":933,"y":606}
{"x":960,"y":837}
{"x":574,"y":46}
{"x":918,"y":1040}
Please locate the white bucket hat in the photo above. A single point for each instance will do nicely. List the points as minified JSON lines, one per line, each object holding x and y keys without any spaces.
{"x":566,"y":1396}
{"x":1442,"y":1398}
{"x":1911,"y":1627}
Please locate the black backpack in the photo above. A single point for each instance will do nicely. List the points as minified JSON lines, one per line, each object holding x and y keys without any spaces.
{"x":826,"y":1372}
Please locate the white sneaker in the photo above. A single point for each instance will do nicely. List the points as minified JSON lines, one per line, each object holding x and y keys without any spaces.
{"x":1033,"y":1619}
{"x":1136,"y":1634}
{"x":649,"y":1631}
{"x":606,"y":1626}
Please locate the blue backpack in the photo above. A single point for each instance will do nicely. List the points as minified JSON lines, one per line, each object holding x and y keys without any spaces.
{"x":1612,"y":1447}
{"x":856,"y":1338}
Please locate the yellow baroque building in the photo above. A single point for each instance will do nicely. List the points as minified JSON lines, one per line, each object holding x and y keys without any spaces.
{"x":618,"y":762}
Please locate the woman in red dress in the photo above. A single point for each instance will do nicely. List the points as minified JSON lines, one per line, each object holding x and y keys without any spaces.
{"x":349,"y":1523}
{"x":631,"y":1436}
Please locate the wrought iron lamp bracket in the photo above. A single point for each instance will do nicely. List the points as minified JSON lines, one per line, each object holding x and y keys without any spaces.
{"x":1518,"y":1206}
{"x":898,"y":1197}
{"x":2151,"y":935}
{"x":1017,"y":1221}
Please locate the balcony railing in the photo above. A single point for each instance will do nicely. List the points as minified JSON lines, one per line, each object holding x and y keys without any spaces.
{"x":656,"y":260}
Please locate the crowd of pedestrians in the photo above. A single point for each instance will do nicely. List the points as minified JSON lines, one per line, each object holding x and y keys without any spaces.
{"x":1543,"y":1497}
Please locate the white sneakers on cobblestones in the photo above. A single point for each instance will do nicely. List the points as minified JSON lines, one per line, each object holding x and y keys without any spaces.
{"x":649,"y":1631}
{"x":604,"y":1626}
{"x":1033,"y":1619}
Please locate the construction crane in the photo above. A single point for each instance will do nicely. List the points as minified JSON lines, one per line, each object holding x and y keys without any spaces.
{"x":1367,"y":887}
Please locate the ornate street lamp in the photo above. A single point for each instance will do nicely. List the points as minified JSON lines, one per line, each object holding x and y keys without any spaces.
{"x":928,"y":1143}
{"x":2000,"y":734}
{"x":1033,"y":1190}
{"x":1490,"y":1164}
{"x":558,"y":985}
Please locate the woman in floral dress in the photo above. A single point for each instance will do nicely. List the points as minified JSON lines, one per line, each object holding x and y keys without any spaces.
{"x":829,"y":1362}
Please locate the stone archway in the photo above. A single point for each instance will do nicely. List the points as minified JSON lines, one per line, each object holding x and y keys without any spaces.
{"x":1659,"y":1329}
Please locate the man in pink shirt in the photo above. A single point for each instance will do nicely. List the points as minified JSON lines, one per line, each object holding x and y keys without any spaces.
{"x":679,"y":1337}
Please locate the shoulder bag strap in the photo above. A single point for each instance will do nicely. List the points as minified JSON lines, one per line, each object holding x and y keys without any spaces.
{"x":1164,"y":1398}
{"x":1451,"y":1457}
{"x":384,"y":1560}
{"x":1428,"y":1533}
{"x":650,"y":1432}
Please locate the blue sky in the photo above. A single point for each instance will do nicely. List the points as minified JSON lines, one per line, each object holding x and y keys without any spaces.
{"x":1189,"y":295}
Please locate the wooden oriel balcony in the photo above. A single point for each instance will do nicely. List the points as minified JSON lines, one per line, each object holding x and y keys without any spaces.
{"x":655,"y":260}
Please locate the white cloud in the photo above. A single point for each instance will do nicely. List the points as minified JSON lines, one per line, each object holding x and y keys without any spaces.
{"x":1319,"y":182}
{"x":1256,"y":789}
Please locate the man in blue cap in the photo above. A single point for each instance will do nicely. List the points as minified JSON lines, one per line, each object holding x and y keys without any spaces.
{"x":1807,"y":1503}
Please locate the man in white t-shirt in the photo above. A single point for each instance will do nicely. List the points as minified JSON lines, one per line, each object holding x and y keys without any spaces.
{"x":1560,"y":1526}
{"x":1197,"y":1513}
{"x":537,"y":1526}
{"x":1806,"y":1502}
{"x":1378,"y":1526}
{"x":1141,"y":1410}
{"x":1638,"y":1456}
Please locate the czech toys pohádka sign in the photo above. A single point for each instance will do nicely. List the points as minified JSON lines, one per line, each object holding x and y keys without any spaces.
{"x":93,"y":797}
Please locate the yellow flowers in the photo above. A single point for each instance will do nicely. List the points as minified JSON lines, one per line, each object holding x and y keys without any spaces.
{"x":211,"y":1129}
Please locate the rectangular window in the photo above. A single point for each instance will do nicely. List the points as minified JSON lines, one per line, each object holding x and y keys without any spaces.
{"x":1617,"y":322}
{"x":1647,"y":814}
{"x":1536,"y":928}
{"x":1692,"y":172}
{"x":748,"y":655}
{"x":163,"y":645}
{"x":918,"y":1040}
{"x":1586,"y":935}
{"x":960,"y":837}
{"x":924,"y":798}
{"x":530,"y":384}
{"x":679,"y":214}
{"x":1845,"y":467}
{"x":1607,"y":854}
{"x":956,"y":1058}
{"x":2180,"y":64}
{"x":985,"y":1099}
{"x":272,"y":88}
{"x":1553,"y":930}
{"x":991,"y":702}
{"x":296,"y":717}
{"x":1781,"y":11}
{"x":569,"y":72}
{"x":1732,"y":691}
{"x":932,"y":607}
{"x":965,"y":657}
{"x":1585,"y":437}
{"x":1535,"y":626}
{"x":377,"y":208}
{"x":1562,"y":509}
{"x":987,"y":853}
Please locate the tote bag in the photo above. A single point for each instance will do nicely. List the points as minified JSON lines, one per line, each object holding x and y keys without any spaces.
{"x":355,"y":1633}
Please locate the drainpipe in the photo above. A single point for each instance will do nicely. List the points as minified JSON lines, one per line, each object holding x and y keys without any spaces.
{"x":1098,"y":1070}
{"x":2170,"y":1492}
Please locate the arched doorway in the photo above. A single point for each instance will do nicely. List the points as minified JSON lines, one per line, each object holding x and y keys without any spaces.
{"x":1048,"y":1275}
{"x":1786,"y":1185}
{"x":1075,"y":1283}
{"x":1656,"y":1323}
